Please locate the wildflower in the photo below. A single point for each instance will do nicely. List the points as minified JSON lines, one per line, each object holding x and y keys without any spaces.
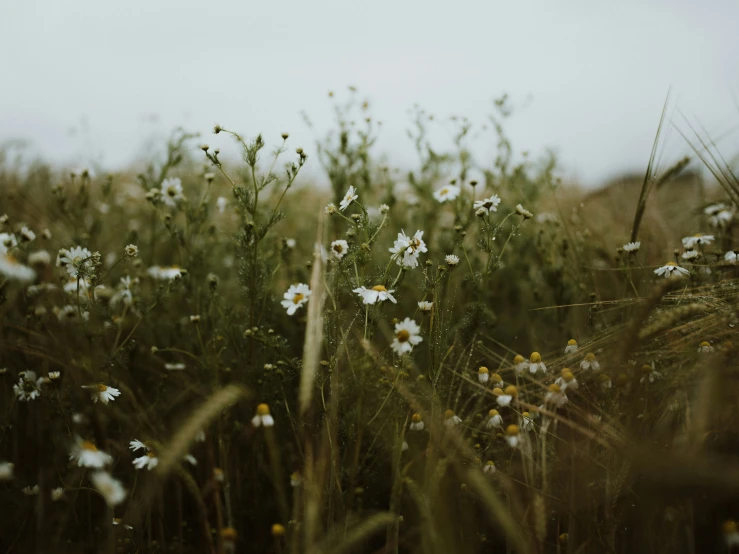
{"x":605,"y":382}
{"x":295,"y":297}
{"x":720,"y":217}
{"x":555,"y":396}
{"x":649,"y":374}
{"x":489,"y":467}
{"x":590,"y":362}
{"x":28,"y":387}
{"x":136,"y":445}
{"x":496,"y":380}
{"x":330,"y":209}
{"x":376,"y":294}
{"x":416,"y":423}
{"x":221,"y":203}
{"x":218,"y":474}
{"x":30,"y":490}
{"x":69,"y":313}
{"x":447,"y":193}
{"x":451,"y":418}
{"x":132,"y":250}
{"x":278,"y":530}
{"x":74,"y":260}
{"x":172,"y":192}
{"x":690,"y":255}
{"x":174,"y":367}
{"x":406,"y":249}
{"x":571,"y":346}
{"x":526,"y":422}
{"x":6,"y":471}
{"x":697,"y":239}
{"x":13,"y":269}
{"x":671,"y":268}
{"x":487,"y":204}
{"x":631,"y":246}
{"x":731,"y":533}
{"x":451,"y":260}
{"x":7,"y":242}
{"x":384,"y":209}
{"x":57,"y":494}
{"x":118,"y":521}
{"x":731,"y":257}
{"x":350,"y":196}
{"x":295,"y":479}
{"x":535,"y":363}
{"x":290,"y":243}
{"x":425,"y":306}
{"x":567,"y":380}
{"x":102,"y":393}
{"x":165,"y":273}
{"x":523,"y":212}
{"x":483,"y":374}
{"x":86,"y":454}
{"x":494,"y":420}
{"x":339,"y":248}
{"x":512,"y":435}
{"x":109,"y":487}
{"x":519,"y":363}
{"x":39,"y":257}
{"x":229,"y":535}
{"x":407,"y":335}
{"x":148,"y":461}
{"x":705,"y":348}
{"x":262,"y":417}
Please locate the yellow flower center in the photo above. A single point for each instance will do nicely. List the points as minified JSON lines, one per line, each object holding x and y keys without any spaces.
{"x":497,"y":391}
{"x":525,"y":414}
{"x":338,"y":247}
{"x":554,"y":388}
{"x":416,"y":418}
{"x":491,"y":463}
{"x":511,"y":390}
{"x":150,"y":454}
{"x":297,"y":298}
{"x":402,"y":335}
{"x":535,"y":358}
{"x":263,"y":410}
{"x":278,"y":530}
{"x":568,"y":376}
{"x":671,"y":264}
{"x":102,"y":388}
{"x":705,"y":344}
{"x":495,"y":378}
{"x":229,"y":533}
{"x":89,"y":446}
{"x":493,"y":413}
{"x":444,"y":192}
{"x":379,"y":288}
{"x":572,"y":342}
{"x":449,"y":413}
{"x":483,"y":369}
{"x":646,"y":368}
{"x":512,"y":430}
{"x":518,"y":359}
{"x":590,"y":357}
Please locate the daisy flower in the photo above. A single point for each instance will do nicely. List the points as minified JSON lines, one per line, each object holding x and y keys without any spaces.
{"x":30,"y":490}
{"x":489,"y":467}
{"x":119,"y":521}
{"x":406,"y":250}
{"x":295,"y":479}
{"x":450,"y":419}
{"x":571,"y":346}
{"x":221,"y":204}
{"x":102,"y":393}
{"x":605,"y":382}
{"x":14,"y":270}
{"x":7,"y":242}
{"x":416,"y":423}
{"x":649,"y":374}
{"x":519,"y":363}
{"x":495,"y":421}
{"x":165,"y":273}
{"x":483,"y":374}
{"x":705,"y":348}
{"x":447,"y":193}
{"x":496,"y":380}
{"x":148,"y":461}
{"x":535,"y":363}
{"x":6,"y":471}
{"x":690,"y":255}
{"x":86,"y":454}
{"x":512,"y":435}
{"x":407,"y":335}
{"x":697,"y":239}
{"x":425,"y":306}
{"x":172,"y":192}
{"x":671,"y":268}
{"x":174,"y":366}
{"x":487,"y":204}
{"x":376,"y":294}
{"x":136,"y":445}
{"x":590,"y":362}
{"x":39,"y":257}
{"x":527,"y":422}
{"x":28,"y":387}
{"x":262,"y":417}
{"x":27,"y":235}
{"x":110,"y":488}
{"x":567,"y":380}
{"x":451,"y":260}
{"x":731,"y":257}
{"x":57,"y":494}
{"x":295,"y":297}
{"x":523,"y":212}
{"x":350,"y":196}
{"x":721,"y":218}
{"x":339,"y":248}
{"x":504,"y":397}
{"x":73,"y":260}
{"x":731,"y":533}
{"x":555,"y":396}
{"x":631,"y":246}
{"x":330,"y":209}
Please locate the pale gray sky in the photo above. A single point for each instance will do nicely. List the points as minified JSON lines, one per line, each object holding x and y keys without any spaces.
{"x":598,"y":72}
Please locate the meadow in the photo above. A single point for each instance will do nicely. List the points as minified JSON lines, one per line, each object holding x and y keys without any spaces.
{"x":215,"y":355}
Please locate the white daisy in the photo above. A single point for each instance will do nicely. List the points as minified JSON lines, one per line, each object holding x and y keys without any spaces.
{"x":590,"y":362}
{"x":567,"y":380}
{"x":535,"y":363}
{"x":86,"y":454}
{"x":690,"y":255}
{"x":74,"y":260}
{"x":350,"y":196}
{"x":483,"y":374}
{"x":447,"y":193}
{"x":376,"y":294}
{"x":489,"y":467}
{"x":172,"y":191}
{"x":7,"y":242}
{"x":295,"y":297}
{"x":54,"y":375}
{"x":407,"y":335}
{"x":571,"y":346}
{"x":649,"y":374}
{"x":136,"y":445}
{"x":295,"y":479}
{"x":165,"y":273}
{"x":705,"y":348}
{"x":13,"y":269}
{"x":697,"y":239}
{"x":28,"y":387}
{"x":57,"y":494}
{"x":6,"y":471}
{"x":221,"y":203}
{"x":526,"y":422}
{"x":425,"y":306}
{"x":39,"y":257}
{"x":523,"y":212}
{"x":605,"y":382}
{"x":520,"y":363}
{"x":262,"y":417}
{"x":451,"y":260}
{"x":330,"y":209}
{"x":731,"y":257}
{"x":102,"y":393}
{"x":671,"y":268}
{"x":339,"y":248}
{"x":118,"y":521}
{"x":27,"y":235}
{"x":505,"y":397}
{"x":631,"y":246}
{"x":512,"y":436}
{"x":406,"y":249}
{"x":555,"y":396}
{"x":721,"y":219}
{"x":495,"y":420}
{"x":148,"y":461}
{"x":30,"y":490}
{"x":487,"y":204}
{"x":450,"y":419}
{"x":110,"y":488}
{"x":174,"y":366}
{"x":416,"y":423}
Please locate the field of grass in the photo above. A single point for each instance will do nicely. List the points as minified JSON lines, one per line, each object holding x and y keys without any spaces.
{"x":210,"y":355}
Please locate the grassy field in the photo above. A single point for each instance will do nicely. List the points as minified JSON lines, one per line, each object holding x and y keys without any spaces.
{"x":209,"y":355}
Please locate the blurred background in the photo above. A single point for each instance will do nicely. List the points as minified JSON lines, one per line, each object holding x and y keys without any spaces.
{"x":99,"y":83}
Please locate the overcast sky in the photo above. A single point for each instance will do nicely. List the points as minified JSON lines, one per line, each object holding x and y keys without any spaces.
{"x":87,"y":79}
